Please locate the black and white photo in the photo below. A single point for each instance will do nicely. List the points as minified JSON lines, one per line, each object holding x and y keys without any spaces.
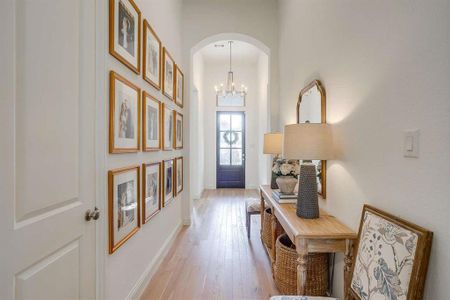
{"x":125,"y":33}
{"x":124,"y":218}
{"x":124,"y":115}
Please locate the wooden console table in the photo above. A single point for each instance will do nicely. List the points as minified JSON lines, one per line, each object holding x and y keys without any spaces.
{"x":323,"y":235}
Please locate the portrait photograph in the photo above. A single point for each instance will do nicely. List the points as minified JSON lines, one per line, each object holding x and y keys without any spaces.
{"x":151,"y":123}
{"x":178,"y":130}
{"x":124,"y":105}
{"x":125,"y":33}
{"x":151,"y":57}
{"x":179,"y":175}
{"x":151,"y":193}
{"x":179,"y":87}
{"x":168,"y":128}
{"x":124,"y":217}
{"x":168,"y":74}
{"x":168,"y":190}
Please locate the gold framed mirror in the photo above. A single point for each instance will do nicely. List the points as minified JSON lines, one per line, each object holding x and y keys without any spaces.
{"x":311,"y":108}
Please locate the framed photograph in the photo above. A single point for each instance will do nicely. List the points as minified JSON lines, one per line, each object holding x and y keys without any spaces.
{"x":152,"y":57}
{"x":178,"y":142}
{"x":179,"y":87}
{"x":168,"y":127}
{"x":168,"y":191}
{"x":168,"y":80}
{"x":179,"y":179}
{"x":151,"y":190}
{"x":151,"y":124}
{"x":124,"y":115}
{"x":125,"y":33}
{"x":124,"y":216}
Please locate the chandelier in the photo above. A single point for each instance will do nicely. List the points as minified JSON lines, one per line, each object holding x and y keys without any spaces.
{"x":230,"y":88}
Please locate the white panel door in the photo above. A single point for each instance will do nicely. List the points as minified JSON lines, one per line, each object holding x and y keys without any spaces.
{"x":47,"y":125}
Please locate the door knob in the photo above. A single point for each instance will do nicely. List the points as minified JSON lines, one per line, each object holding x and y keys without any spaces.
{"x":92,"y":215}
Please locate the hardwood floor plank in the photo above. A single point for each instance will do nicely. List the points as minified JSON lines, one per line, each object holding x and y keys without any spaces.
{"x":213,"y":258}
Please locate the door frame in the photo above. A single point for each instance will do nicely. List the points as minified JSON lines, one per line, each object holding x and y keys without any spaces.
{"x":244,"y":145}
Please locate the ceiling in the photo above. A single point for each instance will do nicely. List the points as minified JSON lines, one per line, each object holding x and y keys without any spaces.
{"x":241,"y":51}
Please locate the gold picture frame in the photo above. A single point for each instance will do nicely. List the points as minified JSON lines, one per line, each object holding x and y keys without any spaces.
{"x":146,"y":216}
{"x":148,"y":126}
{"x":119,"y":137}
{"x":168,"y":128}
{"x":121,"y":30}
{"x":148,"y":31}
{"x":179,"y":100}
{"x":168,"y":78}
{"x":121,"y":216}
{"x":179,"y":175}
{"x":168,"y":169}
{"x":178,"y":137}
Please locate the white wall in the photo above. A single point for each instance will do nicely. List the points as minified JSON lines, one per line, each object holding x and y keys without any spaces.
{"x":126,"y":268}
{"x":244,"y":73}
{"x":197,"y":133}
{"x":264,"y":161}
{"x":385,"y":67}
{"x":258,"y":19}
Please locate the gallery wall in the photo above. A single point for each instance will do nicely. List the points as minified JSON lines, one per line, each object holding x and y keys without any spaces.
{"x":127,"y":270}
{"x":385,"y":67}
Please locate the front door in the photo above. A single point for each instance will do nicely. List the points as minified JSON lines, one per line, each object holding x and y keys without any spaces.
{"x":47,"y":156}
{"x":230,"y":147}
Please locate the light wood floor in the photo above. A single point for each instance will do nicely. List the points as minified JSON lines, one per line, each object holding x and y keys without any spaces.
{"x":212,"y":258}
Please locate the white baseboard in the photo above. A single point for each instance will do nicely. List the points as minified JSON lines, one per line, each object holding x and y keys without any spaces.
{"x":187,"y":222}
{"x":145,"y":278}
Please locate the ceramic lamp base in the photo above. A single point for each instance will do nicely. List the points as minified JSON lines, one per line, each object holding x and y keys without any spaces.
{"x":307,"y":201}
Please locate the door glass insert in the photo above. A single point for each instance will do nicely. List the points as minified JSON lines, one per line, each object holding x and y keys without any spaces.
{"x":230,"y":139}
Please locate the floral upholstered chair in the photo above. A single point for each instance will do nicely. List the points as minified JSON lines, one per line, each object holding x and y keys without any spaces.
{"x":391,"y":259}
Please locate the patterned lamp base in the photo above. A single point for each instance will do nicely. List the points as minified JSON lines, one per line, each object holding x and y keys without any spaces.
{"x":308,"y":202}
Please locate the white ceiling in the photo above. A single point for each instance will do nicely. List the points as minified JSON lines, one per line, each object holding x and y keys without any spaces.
{"x":242,"y":52}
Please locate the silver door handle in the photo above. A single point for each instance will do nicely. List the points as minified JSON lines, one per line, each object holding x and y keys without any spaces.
{"x":92,"y":215}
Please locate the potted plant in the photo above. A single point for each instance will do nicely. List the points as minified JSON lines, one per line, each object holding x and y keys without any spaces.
{"x":287,"y":172}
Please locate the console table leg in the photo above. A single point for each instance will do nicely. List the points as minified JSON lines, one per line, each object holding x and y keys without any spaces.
{"x":348,"y":260}
{"x":302,"y":263}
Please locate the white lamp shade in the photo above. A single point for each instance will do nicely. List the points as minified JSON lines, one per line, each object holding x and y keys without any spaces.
{"x":308,"y":141}
{"x":273,"y":143}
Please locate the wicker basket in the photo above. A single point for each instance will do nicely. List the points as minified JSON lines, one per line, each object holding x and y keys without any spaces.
{"x":267,"y":228}
{"x":285,"y":269}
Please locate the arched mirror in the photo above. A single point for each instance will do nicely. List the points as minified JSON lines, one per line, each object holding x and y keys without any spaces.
{"x":311,"y":108}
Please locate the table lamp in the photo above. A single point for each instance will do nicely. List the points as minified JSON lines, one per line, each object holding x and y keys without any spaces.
{"x":307,"y":142}
{"x":273,"y":143}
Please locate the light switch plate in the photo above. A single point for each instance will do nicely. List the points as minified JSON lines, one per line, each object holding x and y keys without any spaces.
{"x":411,"y":143}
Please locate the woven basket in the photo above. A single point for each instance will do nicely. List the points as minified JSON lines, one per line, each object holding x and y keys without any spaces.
{"x":285,"y":270}
{"x":267,"y":228}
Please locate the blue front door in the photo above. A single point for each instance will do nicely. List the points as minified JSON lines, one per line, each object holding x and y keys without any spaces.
{"x":230,"y":147}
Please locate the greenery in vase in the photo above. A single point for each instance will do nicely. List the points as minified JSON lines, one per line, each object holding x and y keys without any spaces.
{"x":284,"y":167}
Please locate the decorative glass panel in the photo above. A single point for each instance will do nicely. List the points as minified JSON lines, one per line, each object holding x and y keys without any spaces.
{"x":224,"y":122}
{"x":236,"y":122}
{"x":236,"y":157}
{"x":225,"y":157}
{"x":237,"y":139}
{"x":231,"y":100}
